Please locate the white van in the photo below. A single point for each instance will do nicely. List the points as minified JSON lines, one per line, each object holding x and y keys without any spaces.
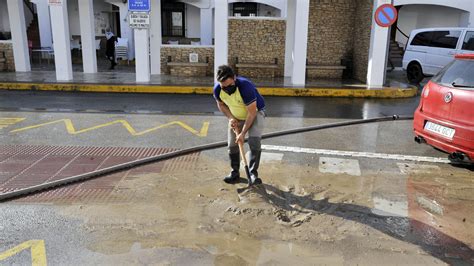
{"x":429,"y":50}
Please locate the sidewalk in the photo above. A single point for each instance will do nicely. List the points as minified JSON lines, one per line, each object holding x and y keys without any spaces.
{"x":124,"y":82}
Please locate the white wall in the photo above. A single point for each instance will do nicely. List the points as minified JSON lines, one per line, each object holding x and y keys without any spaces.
{"x":99,"y":8}
{"x":426,"y":16}
{"x":193,"y":26}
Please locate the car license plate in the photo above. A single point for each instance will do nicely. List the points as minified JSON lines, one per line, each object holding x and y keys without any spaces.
{"x":439,"y":129}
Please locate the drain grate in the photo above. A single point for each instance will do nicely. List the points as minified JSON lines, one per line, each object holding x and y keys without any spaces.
{"x":28,"y":165}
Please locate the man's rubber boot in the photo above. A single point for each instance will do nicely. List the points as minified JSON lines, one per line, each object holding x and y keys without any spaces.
{"x":253,"y":167}
{"x":234,"y":176}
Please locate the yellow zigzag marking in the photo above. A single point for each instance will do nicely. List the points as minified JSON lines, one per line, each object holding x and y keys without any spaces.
{"x":8,"y":121}
{"x":71,"y":130}
{"x":38,"y":252}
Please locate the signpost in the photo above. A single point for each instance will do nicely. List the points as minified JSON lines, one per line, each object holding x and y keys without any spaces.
{"x":386,"y":15}
{"x":139,"y":19}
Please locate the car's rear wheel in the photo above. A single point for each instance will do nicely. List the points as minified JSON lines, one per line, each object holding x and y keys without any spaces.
{"x":415,"y":73}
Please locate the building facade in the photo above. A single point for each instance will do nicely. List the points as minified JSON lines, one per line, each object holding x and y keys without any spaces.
{"x":299,"y":39}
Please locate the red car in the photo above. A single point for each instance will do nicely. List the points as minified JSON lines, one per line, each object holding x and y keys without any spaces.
{"x":445,"y":116}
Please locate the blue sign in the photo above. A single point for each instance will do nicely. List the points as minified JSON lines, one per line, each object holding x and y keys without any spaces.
{"x":139,"y":5}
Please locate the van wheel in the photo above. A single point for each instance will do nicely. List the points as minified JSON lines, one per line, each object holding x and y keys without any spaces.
{"x":415,"y":73}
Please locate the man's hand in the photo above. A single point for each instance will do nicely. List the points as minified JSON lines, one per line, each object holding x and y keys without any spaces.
{"x":239,"y":138}
{"x":233,"y":123}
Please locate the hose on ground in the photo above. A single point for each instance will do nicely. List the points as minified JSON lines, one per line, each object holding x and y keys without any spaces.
{"x":120,"y":167}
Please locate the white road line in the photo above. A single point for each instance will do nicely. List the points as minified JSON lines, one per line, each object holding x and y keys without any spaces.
{"x":339,"y":166}
{"x":387,"y":207}
{"x":268,"y":157}
{"x":385,"y":156}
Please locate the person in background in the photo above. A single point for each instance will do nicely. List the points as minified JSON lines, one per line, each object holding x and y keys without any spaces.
{"x":110,"y":47}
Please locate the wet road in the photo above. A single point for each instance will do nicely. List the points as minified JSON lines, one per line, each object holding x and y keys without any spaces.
{"x":200,"y":104}
{"x":359,"y":195}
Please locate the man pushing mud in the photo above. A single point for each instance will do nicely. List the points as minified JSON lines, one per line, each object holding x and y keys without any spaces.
{"x":239,"y":100}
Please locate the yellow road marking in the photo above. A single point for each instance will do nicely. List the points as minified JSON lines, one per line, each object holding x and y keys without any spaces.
{"x":71,"y":130}
{"x":8,"y":121}
{"x":38,"y":252}
{"x":347,"y":91}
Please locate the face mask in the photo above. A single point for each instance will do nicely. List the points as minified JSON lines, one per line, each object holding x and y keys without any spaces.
{"x":230,"y":89}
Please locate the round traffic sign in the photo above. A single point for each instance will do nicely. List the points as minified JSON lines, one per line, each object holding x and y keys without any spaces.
{"x":386,"y":15}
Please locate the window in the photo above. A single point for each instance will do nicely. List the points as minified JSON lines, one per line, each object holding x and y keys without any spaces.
{"x":445,"y":39}
{"x":459,"y":71}
{"x":468,"y":43}
{"x":440,"y":39}
{"x":172,"y":19}
{"x":244,"y":9}
{"x":422,"y":39}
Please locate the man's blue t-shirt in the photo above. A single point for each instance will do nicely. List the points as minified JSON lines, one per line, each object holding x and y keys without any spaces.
{"x":247,"y":90}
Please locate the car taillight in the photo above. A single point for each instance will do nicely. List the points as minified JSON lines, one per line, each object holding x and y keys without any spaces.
{"x":426,"y":91}
{"x":424,"y":94}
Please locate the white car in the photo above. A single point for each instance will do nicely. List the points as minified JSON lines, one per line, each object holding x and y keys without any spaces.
{"x":429,"y":50}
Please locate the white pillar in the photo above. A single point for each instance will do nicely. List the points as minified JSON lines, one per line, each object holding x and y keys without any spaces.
{"x":86,"y":17}
{"x":206,"y":26}
{"x":290,"y":37}
{"x":44,"y":22}
{"x":222,"y":34}
{"x":62,"y":41}
{"x":155,"y":37}
{"x":142,"y":55}
{"x":126,"y":31}
{"x":378,"y":51}
{"x":16,"y":15}
{"x":298,"y":76}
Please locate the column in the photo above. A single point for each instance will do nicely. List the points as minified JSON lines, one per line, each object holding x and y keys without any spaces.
{"x":16,"y":15}
{"x":222,"y":34}
{"x":44,"y":22}
{"x":126,"y":31}
{"x":142,"y":55}
{"x":86,"y":17}
{"x":290,"y":37}
{"x":378,"y":51}
{"x":62,"y":41}
{"x":298,"y":76}
{"x":206,"y":26}
{"x":155,"y":37}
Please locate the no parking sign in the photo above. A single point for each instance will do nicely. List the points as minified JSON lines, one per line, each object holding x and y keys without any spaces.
{"x":386,"y":15}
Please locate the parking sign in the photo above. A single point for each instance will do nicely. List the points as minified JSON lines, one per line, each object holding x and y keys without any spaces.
{"x":139,"y":5}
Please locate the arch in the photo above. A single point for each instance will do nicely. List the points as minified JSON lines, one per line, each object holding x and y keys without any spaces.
{"x":457,"y":4}
{"x":279,"y":4}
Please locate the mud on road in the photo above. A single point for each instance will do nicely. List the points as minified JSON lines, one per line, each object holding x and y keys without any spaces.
{"x":299,"y":216}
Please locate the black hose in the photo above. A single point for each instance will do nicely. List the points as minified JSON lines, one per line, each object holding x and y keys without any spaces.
{"x":73,"y":179}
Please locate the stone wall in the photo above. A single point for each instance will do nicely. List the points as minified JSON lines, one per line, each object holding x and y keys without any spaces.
{"x":361,"y":35}
{"x":180,"y":53}
{"x":340,"y":30}
{"x":6,"y":51}
{"x":331,"y":24}
{"x":257,"y":41}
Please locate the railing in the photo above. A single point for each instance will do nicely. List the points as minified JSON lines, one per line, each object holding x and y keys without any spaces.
{"x":399,"y":30}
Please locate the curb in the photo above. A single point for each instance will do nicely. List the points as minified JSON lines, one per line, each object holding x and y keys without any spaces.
{"x":385,"y":92}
